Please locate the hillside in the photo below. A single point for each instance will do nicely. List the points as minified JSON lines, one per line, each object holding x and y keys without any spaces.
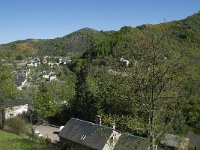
{"x":10,"y":141}
{"x":85,"y":39}
{"x":120,"y":90}
{"x":117,"y":72}
{"x":76,"y":42}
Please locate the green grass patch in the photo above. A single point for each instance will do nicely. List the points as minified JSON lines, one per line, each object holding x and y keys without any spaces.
{"x":10,"y":141}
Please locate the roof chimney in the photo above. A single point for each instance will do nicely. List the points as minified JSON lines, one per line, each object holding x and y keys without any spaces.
{"x":98,"y":119}
{"x":114,"y":126}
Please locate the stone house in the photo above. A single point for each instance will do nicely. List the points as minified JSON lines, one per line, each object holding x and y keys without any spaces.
{"x":83,"y":135}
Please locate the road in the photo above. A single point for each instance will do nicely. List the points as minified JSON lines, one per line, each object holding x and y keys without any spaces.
{"x":48,"y":132}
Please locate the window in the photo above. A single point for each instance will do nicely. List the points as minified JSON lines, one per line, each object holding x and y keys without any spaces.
{"x":83,"y":137}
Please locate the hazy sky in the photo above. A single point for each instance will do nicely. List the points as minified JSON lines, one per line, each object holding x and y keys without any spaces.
{"x":22,"y":19}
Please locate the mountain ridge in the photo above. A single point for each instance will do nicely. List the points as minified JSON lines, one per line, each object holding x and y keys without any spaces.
{"x":82,"y":40}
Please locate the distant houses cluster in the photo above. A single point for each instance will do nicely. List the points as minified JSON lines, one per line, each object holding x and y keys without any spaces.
{"x":59,"y":61}
{"x":23,"y":75}
{"x":23,"y":79}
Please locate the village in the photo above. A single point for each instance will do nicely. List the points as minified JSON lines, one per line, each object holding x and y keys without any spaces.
{"x":99,"y":75}
{"x":76,"y":133}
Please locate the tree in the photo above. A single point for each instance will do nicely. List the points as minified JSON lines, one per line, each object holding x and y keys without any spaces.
{"x":157,"y":80}
{"x":45,"y":105}
{"x":152,"y":88}
{"x":85,"y":104}
{"x":7,"y":90}
{"x":52,"y":96}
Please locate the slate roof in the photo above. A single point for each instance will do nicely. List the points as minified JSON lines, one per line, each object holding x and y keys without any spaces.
{"x":130,"y":142}
{"x":19,"y":79}
{"x":16,"y":102}
{"x":194,"y":140}
{"x":86,"y":133}
{"x":171,"y":140}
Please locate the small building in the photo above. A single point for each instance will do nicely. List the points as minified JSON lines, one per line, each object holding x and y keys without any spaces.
{"x":131,"y":142}
{"x":36,"y":62}
{"x":126,"y":62}
{"x":64,"y":60}
{"x":172,"y":141}
{"x":16,"y":107}
{"x":52,"y":77}
{"x":20,"y":81}
{"x":49,"y":76}
{"x":83,"y":135}
{"x":194,"y":140}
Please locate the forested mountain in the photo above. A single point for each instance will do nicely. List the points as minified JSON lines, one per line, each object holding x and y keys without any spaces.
{"x":76,"y":42}
{"x":85,"y":39}
{"x":145,"y":79}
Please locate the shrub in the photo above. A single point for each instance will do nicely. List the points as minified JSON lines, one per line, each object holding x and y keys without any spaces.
{"x":16,"y":125}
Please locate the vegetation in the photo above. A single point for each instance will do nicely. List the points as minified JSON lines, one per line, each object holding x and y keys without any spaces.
{"x":73,"y":44}
{"x":7,"y":90}
{"x":157,"y":91}
{"x":17,"y":125}
{"x":10,"y":141}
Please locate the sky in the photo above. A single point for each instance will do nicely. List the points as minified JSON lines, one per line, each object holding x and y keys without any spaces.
{"x":44,"y":19}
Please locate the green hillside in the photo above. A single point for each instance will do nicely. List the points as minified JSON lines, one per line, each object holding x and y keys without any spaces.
{"x":9,"y":141}
{"x":76,"y":42}
{"x":163,"y":74}
{"x":164,"y":60}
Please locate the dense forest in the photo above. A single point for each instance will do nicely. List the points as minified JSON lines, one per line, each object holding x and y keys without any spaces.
{"x":157,"y":91}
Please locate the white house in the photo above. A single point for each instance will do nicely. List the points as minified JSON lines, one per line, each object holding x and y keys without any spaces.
{"x":30,"y":63}
{"x":127,"y":62}
{"x":49,"y":76}
{"x":52,"y":77}
{"x":15,"y":110}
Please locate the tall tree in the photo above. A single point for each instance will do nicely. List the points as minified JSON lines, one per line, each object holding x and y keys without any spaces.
{"x":157,"y":76}
{"x":8,"y":90}
{"x":85,"y":105}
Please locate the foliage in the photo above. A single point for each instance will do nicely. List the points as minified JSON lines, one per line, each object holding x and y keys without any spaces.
{"x":161,"y":82}
{"x":16,"y":125}
{"x":10,"y":141}
{"x":7,"y":90}
{"x":51,"y":97}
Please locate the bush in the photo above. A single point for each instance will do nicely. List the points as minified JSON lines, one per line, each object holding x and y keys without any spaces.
{"x":16,"y":125}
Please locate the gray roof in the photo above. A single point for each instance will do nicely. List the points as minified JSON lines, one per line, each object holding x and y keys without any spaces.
{"x":172,"y":140}
{"x":16,"y":102}
{"x":19,"y":79}
{"x":194,"y":140}
{"x":86,"y":133}
{"x":130,"y":142}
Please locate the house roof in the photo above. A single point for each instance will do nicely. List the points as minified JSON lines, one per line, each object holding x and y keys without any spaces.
{"x":16,"y":102}
{"x":19,"y":79}
{"x":86,"y":133}
{"x":130,"y":142}
{"x":172,"y":140}
{"x":194,"y":140}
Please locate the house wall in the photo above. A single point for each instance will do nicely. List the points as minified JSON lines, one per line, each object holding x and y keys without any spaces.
{"x":16,"y":110}
{"x":69,"y":145}
{"x":110,"y":144}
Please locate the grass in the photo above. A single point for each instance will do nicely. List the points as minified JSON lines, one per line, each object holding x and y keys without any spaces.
{"x":10,"y":141}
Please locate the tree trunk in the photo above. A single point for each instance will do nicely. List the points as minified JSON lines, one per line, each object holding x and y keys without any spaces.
{"x":2,"y":118}
{"x":152,"y":111}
